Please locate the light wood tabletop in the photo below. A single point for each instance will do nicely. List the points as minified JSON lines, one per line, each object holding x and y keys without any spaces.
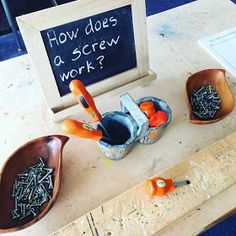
{"x":89,"y":179}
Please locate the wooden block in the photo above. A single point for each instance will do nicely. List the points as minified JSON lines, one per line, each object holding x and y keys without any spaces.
{"x":212,"y":171}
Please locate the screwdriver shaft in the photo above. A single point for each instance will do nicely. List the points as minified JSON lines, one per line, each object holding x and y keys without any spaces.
{"x":103,"y":129}
{"x":181,"y":183}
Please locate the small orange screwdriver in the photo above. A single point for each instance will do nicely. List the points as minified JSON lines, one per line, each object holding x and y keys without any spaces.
{"x":86,"y":101}
{"x":84,"y":130}
{"x":156,"y":118}
{"x":159,"y":186}
{"x":148,"y":108}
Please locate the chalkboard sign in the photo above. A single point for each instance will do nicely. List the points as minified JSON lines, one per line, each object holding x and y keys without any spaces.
{"x":103,"y":43}
{"x":91,"y":49}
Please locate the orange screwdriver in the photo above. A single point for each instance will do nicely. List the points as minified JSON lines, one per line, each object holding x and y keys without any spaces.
{"x":156,"y":118}
{"x":86,"y":101}
{"x":159,"y":186}
{"x":148,"y":108}
{"x":84,"y":130}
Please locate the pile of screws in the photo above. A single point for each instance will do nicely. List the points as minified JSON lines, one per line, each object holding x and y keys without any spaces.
{"x":205,"y":102}
{"x":31,"y":190}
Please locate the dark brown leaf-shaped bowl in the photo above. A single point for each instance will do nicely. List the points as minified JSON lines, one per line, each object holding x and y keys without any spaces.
{"x":50,"y":149}
{"x":216,"y":78}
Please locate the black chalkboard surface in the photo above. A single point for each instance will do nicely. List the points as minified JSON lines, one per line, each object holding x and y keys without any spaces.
{"x":91,"y":49}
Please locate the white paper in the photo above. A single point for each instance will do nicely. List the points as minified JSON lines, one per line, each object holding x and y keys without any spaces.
{"x":222,"y":46}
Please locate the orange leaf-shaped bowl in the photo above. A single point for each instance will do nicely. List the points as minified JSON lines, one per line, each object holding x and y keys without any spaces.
{"x":216,"y":78}
{"x":50,"y":149}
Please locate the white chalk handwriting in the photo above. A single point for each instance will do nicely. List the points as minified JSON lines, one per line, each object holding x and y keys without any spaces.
{"x":80,"y":49}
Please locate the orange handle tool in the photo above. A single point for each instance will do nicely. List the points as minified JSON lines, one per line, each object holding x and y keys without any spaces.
{"x":85,"y":99}
{"x":84,"y":130}
{"x":80,"y":129}
{"x":148,"y":108}
{"x":158,"y":119}
{"x":160,"y":187}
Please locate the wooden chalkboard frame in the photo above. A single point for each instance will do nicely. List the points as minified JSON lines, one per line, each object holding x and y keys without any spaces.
{"x":32,"y":24}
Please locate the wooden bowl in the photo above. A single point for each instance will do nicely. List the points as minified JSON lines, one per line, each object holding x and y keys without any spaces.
{"x":50,"y":149}
{"x":216,"y":78}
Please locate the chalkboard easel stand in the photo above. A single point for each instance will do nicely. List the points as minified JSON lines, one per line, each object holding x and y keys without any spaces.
{"x":69,"y":41}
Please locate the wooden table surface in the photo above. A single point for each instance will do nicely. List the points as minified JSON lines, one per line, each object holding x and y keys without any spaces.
{"x":89,"y":179}
{"x":186,"y":211}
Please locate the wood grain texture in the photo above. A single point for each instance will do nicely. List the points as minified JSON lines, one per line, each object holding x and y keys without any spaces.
{"x":210,"y":171}
{"x":174,"y":57}
{"x":216,"y":78}
{"x":49,"y":148}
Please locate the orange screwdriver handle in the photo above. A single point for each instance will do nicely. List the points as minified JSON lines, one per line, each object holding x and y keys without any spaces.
{"x":148,"y":108}
{"x":159,"y":186}
{"x":80,"y":129}
{"x":158,"y":119}
{"x":85,"y":99}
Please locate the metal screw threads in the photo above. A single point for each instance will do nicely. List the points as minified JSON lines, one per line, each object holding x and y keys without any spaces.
{"x":205,"y":102}
{"x":31,"y":190}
